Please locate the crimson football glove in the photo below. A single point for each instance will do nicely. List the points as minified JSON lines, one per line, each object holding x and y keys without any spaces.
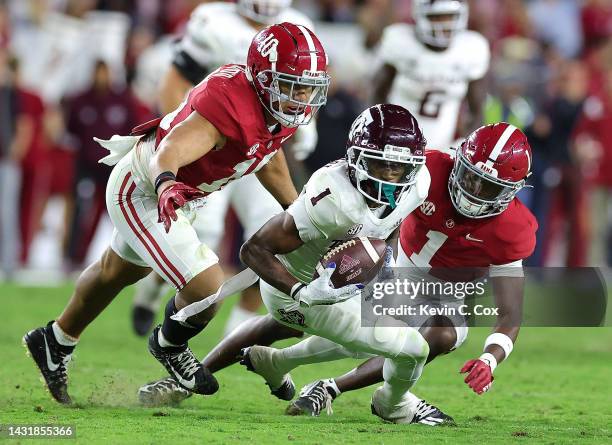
{"x":480,"y":376}
{"x":172,"y":198}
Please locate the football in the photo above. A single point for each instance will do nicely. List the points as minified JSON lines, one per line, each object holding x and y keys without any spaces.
{"x":358,"y":260}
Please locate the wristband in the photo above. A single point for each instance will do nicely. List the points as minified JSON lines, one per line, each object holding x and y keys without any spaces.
{"x":164,"y":177}
{"x":295,"y":289}
{"x":490,"y":360}
{"x":501,"y":340}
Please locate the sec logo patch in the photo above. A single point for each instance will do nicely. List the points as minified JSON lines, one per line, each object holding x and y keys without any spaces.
{"x":428,"y":208}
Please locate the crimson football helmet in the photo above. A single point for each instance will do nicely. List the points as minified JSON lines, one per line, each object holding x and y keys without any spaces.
{"x":491,"y":166}
{"x":434,"y":32}
{"x":262,"y":11}
{"x":385,"y":137}
{"x":287,"y":65}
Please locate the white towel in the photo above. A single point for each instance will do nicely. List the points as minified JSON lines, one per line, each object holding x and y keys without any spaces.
{"x":118,"y":146}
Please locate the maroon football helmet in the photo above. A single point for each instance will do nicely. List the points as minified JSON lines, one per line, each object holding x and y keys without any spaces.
{"x":491,"y":166}
{"x":286,"y":60}
{"x":385,"y":137}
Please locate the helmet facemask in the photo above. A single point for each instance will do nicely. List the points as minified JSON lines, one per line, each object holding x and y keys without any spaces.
{"x":439,"y":22}
{"x":476,"y":192}
{"x":365,"y":162}
{"x":282,"y":89}
{"x":263,"y":11}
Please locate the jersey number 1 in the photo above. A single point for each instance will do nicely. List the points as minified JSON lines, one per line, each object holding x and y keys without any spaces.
{"x":435,"y":240}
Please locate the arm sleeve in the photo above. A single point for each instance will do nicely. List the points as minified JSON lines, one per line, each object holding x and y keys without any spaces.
{"x":389,"y":50}
{"x":189,"y":68}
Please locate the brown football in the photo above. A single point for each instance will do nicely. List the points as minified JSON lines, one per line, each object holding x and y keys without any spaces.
{"x":358,"y":260}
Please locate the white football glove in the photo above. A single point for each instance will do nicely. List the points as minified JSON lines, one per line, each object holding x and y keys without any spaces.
{"x":321,"y":292}
{"x":304,"y":141}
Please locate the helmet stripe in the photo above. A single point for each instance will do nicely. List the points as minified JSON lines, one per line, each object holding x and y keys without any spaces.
{"x":312,"y":49}
{"x":500,"y":145}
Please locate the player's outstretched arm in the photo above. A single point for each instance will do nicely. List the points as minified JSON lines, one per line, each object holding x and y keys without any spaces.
{"x":185,"y":143}
{"x":278,"y":236}
{"x":275,"y":177}
{"x":508,"y":293}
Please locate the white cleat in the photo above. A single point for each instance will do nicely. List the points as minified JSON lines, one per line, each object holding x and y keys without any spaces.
{"x":258,"y":359}
{"x":424,"y":413}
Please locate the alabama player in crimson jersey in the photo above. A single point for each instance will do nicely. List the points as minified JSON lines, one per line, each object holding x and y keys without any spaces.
{"x":206,"y":45}
{"x":470,"y":219}
{"x":230,"y":125}
{"x":432,"y":66}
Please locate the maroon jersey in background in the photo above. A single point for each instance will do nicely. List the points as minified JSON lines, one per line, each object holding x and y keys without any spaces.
{"x":228,"y":101}
{"x":435,"y":235}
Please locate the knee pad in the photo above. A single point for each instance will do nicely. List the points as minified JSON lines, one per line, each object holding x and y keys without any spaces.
{"x":397,"y":340}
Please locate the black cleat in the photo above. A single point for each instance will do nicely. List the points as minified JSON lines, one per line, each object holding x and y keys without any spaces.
{"x":257,"y":359}
{"x":314,"y":398}
{"x":183,"y":367}
{"x":142,"y":320}
{"x":427,"y":414}
{"x":51,"y":359}
{"x":163,"y":392}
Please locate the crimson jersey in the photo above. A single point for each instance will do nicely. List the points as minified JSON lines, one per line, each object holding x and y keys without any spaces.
{"x":436,"y":235}
{"x":228,"y":101}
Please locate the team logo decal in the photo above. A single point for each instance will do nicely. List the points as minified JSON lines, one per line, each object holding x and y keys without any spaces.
{"x":354,"y":230}
{"x":428,"y":208}
{"x":449,"y":223}
{"x":253,"y":149}
{"x":347,"y":263}
{"x":292,"y":317}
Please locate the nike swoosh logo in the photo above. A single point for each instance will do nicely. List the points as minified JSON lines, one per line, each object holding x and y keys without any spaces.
{"x":469,"y":237}
{"x":50,"y":364}
{"x":186,"y":383}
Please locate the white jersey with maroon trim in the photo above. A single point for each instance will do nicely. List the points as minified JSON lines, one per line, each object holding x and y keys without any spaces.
{"x":330,"y":208}
{"x":432,"y":84}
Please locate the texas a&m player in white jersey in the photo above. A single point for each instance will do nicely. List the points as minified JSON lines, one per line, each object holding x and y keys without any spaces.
{"x":432,"y":66}
{"x":219,"y":33}
{"x":382,"y":180}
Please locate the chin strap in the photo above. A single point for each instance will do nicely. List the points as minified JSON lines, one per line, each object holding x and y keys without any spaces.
{"x":389,"y":191}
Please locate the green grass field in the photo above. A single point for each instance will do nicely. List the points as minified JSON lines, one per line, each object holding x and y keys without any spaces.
{"x":555,"y":389}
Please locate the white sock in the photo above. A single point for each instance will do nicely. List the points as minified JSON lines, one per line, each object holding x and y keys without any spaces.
{"x":237,"y":316}
{"x":311,"y":350}
{"x":163,"y":342}
{"x":149,"y":292}
{"x":61,"y":337}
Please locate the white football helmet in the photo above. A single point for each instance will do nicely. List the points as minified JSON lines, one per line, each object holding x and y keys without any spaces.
{"x":433,"y":31}
{"x":263,"y":11}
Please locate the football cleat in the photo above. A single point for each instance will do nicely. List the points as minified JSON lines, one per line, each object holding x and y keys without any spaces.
{"x":428,"y":414}
{"x":51,"y":359}
{"x":424,"y":413}
{"x":258,"y":359}
{"x":314,"y":398}
{"x":182,"y":365}
{"x":163,"y":392}
{"x":142,"y":320}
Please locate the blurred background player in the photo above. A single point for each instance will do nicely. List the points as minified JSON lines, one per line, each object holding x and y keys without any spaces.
{"x":217,"y":34}
{"x":432,"y":66}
